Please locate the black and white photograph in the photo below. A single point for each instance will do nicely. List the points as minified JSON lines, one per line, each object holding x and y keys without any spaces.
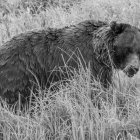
{"x":69,"y":69}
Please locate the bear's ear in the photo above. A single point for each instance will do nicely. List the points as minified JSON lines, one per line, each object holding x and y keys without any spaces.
{"x":116,"y":27}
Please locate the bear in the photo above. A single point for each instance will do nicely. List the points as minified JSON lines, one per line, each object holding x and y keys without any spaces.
{"x":34,"y":58}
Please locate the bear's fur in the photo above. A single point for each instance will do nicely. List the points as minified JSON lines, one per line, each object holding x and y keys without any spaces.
{"x":34,"y":55}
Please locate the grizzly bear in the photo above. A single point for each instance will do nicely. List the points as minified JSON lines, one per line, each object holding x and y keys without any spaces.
{"x":34,"y":58}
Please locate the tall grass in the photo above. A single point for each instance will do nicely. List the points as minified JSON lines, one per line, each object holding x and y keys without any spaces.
{"x":16,"y":16}
{"x":78,"y":109}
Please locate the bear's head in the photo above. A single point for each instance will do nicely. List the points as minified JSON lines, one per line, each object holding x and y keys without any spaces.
{"x":126,"y":46}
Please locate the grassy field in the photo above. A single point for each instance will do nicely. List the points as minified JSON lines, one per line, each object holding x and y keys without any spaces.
{"x":71,"y":111}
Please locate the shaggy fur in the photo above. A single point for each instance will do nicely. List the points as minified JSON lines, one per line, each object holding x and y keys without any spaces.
{"x":34,"y":55}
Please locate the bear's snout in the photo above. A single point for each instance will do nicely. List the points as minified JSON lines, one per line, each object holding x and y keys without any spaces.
{"x":132,"y":65}
{"x":131,"y":71}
